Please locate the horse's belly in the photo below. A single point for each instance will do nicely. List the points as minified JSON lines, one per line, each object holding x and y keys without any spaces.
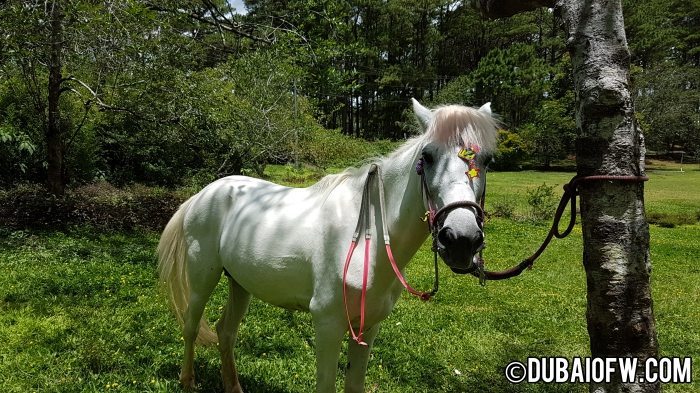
{"x":279,"y":280}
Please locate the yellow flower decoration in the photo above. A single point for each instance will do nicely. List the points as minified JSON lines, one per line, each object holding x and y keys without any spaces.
{"x":467,"y":154}
{"x":472,"y":172}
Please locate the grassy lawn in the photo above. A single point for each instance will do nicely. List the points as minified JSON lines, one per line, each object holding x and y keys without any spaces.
{"x":79,"y":311}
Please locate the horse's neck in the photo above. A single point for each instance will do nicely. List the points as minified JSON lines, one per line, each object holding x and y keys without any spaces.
{"x":405,"y":207}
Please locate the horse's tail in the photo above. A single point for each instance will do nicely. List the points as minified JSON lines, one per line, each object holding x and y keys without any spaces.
{"x":172,"y":267}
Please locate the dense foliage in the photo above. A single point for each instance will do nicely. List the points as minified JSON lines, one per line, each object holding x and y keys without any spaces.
{"x":166,"y":91}
{"x":664,"y":39}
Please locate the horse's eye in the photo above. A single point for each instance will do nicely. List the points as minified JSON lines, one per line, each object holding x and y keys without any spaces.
{"x":428,"y":158}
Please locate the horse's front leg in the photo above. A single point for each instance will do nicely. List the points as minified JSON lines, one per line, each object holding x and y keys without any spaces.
{"x":358,"y":356}
{"x":329,"y":337}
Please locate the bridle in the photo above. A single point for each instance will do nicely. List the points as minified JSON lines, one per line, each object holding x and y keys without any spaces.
{"x":434,"y":216}
{"x":365,"y":220}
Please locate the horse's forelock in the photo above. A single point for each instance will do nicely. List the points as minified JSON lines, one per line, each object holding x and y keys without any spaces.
{"x":457,"y":125}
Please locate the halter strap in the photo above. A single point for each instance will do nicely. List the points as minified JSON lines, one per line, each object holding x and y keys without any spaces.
{"x":365,"y":218}
{"x":422,"y":295}
{"x":462,"y":204}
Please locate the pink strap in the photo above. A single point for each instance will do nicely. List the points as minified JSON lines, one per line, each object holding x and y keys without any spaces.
{"x":357,"y":337}
{"x":363,"y":299}
{"x":397,"y":272}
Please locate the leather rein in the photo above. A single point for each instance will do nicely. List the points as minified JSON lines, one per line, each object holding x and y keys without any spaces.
{"x":571,"y":191}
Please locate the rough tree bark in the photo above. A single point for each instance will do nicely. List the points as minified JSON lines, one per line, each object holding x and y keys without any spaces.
{"x":615,"y":232}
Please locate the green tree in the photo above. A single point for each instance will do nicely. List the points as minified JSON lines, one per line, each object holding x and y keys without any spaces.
{"x":650,"y":30}
{"x":551,"y":134}
{"x":68,"y":55}
{"x":230,"y":119}
{"x":665,"y":47}
{"x":514,"y":79}
{"x":19,"y":143}
{"x":668,"y":96}
{"x":87,"y":65}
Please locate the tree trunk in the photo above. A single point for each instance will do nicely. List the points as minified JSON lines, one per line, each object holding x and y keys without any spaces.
{"x":344,"y":116}
{"x":615,"y":232}
{"x":54,"y":139}
{"x":358,"y":128}
{"x":349,"y":113}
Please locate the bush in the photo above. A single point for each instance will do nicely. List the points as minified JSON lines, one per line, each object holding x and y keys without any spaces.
{"x":330,"y":148}
{"x":511,"y":150}
{"x":550,"y":136}
{"x":542,"y":201}
{"x":32,"y":206}
{"x":503,"y":208}
{"x":99,"y":205}
{"x":294,"y":175}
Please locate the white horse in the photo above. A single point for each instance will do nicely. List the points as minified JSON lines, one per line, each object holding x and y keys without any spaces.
{"x":287,"y":246}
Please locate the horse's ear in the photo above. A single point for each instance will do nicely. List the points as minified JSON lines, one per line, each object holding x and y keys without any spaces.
{"x":422,"y":113}
{"x":486,"y":108}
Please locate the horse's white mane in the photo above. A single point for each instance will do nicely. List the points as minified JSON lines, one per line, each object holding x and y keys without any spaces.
{"x":453,"y":125}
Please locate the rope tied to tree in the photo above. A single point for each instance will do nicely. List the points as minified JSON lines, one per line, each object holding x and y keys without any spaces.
{"x":568,"y":198}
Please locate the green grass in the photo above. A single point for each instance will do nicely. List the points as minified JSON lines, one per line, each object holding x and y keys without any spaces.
{"x":79,"y":311}
{"x":669,"y":165}
{"x":671,"y":197}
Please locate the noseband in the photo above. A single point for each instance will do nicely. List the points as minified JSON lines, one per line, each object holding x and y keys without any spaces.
{"x":445,"y":210}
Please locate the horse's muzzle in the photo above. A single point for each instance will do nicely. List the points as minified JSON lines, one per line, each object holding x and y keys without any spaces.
{"x":458,"y":251}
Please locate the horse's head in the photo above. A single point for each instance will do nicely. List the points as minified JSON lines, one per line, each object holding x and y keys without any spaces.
{"x":458,"y":144}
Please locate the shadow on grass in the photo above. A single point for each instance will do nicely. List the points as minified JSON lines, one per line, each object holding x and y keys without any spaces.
{"x":208,"y":378}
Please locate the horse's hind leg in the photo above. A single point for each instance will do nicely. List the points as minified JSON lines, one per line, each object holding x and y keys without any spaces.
{"x":203,"y":280}
{"x":227,"y":330}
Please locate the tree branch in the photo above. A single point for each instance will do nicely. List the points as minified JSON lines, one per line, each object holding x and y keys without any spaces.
{"x":86,"y":107}
{"x":506,"y":8}
{"x":106,"y":107}
{"x":224,"y":24}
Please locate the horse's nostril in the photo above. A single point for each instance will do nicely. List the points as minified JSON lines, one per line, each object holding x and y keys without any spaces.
{"x":446,"y":236}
